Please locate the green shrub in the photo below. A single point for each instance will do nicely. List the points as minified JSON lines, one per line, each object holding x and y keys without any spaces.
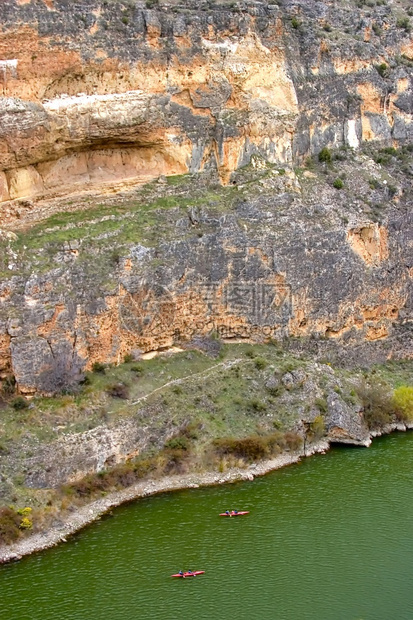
{"x":137,"y":369}
{"x":381,"y":69}
{"x":318,"y":427}
{"x":120,"y":476}
{"x":177,"y":443}
{"x":338,"y":184}
{"x":191,"y":430}
{"x":115,"y":257}
{"x":26,"y":524}
{"x":403,"y":402}
{"x":98,"y":367}
{"x":260,"y":363}
{"x":8,"y":386}
{"x":118,"y":390}
{"x":251,"y":448}
{"x":276,"y":442}
{"x":19,"y":403}
{"x":256,"y":447}
{"x":324,"y":155}
{"x":275,"y":390}
{"x":9,"y":525}
{"x":177,"y":389}
{"x":374,"y":184}
{"x":293,"y":441}
{"x":295,"y":23}
{"x":377,"y":402}
{"x":257,"y":405}
{"x":24,"y":512}
{"x":321,"y":404}
{"x":404,"y":22}
{"x":389,"y":150}
{"x":128,"y":358}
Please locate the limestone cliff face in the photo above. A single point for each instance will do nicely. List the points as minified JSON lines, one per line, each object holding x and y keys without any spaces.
{"x":102,"y":92}
{"x":279,"y":256}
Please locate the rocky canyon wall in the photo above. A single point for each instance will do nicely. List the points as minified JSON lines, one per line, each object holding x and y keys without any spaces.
{"x":110,"y":93}
{"x":100,"y":92}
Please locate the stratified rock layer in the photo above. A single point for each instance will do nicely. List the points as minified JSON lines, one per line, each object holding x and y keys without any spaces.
{"x":270,"y":258}
{"x":106,"y":92}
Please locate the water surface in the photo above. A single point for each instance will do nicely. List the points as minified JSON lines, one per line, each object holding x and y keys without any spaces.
{"x":328,"y":539}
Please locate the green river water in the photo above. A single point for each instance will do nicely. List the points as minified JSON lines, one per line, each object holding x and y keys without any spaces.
{"x":329,"y":538}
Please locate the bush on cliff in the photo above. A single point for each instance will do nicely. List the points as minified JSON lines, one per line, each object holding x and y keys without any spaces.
{"x":325,"y":155}
{"x":118,"y":390}
{"x":99,"y":368}
{"x":8,"y":386}
{"x":404,"y":22}
{"x":257,"y":447}
{"x":19,"y":403}
{"x":260,"y":363}
{"x":9,"y":525}
{"x":403,"y":402}
{"x":177,"y":443}
{"x":318,"y":427}
{"x":251,"y":448}
{"x":377,"y":402}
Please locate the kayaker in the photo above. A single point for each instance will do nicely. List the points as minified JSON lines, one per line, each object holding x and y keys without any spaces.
{"x":235,"y":512}
{"x":181,"y":572}
{"x":227,"y":512}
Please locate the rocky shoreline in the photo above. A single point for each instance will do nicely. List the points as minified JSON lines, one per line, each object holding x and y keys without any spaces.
{"x":93,"y":511}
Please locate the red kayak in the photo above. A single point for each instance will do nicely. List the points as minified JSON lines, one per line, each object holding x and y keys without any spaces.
{"x":239,"y":513}
{"x":191,"y":574}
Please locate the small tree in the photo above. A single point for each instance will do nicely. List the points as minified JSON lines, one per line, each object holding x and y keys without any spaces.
{"x":318,"y":427}
{"x":377,"y":402}
{"x":403,"y":402}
